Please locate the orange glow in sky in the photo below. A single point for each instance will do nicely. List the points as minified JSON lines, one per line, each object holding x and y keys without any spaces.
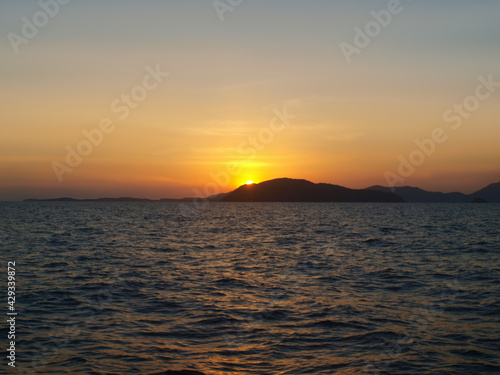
{"x":156,"y":109}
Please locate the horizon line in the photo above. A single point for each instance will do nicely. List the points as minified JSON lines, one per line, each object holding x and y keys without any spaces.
{"x":209,"y":196}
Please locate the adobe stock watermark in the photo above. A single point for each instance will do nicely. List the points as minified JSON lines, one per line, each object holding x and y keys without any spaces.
{"x":122,"y":107}
{"x":250,"y":148}
{"x":223,"y":6}
{"x":454,"y":116}
{"x":372,"y":29}
{"x":31,"y":26}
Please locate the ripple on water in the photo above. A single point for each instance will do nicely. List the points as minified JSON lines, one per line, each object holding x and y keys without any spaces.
{"x":256,"y":288}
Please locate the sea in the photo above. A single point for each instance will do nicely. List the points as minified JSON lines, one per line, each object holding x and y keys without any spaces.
{"x":252,"y":288}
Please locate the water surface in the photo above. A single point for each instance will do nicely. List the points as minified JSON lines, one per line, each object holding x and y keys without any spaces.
{"x":259,"y":288}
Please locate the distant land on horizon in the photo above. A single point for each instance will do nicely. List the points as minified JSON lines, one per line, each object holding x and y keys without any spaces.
{"x":488,"y":194}
{"x":299,"y":190}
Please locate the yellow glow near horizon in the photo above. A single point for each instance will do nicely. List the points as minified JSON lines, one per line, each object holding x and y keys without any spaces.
{"x":249,"y":182}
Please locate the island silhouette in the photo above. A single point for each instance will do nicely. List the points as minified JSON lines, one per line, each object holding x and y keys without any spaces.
{"x":299,"y":190}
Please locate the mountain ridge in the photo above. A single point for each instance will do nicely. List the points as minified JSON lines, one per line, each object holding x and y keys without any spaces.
{"x":490,"y":193}
{"x":301,"y":190}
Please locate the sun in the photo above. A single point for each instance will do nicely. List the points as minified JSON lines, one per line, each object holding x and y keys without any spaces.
{"x":249,"y":182}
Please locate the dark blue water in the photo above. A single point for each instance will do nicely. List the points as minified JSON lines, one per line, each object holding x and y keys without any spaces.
{"x":139,"y":288}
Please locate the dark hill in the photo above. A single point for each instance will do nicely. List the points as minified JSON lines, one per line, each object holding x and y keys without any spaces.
{"x":291,"y":190}
{"x":413,"y":194}
{"x":490,"y":193}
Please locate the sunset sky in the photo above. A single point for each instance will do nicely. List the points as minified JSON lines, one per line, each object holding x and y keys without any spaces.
{"x":232,"y":74}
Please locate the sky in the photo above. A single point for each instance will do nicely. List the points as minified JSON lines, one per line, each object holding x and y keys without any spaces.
{"x":181,"y":98}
